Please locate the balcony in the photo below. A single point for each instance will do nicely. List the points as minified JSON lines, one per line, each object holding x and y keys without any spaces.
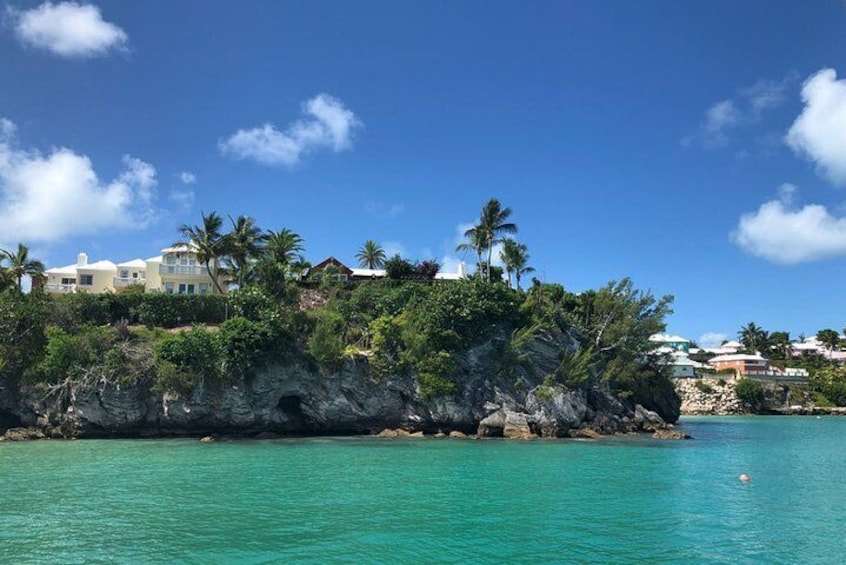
{"x":119,"y":282}
{"x":59,"y":288}
{"x":190,"y":270}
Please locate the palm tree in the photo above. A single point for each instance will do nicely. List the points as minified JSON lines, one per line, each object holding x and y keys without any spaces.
{"x":284,"y":246}
{"x":753,"y":337}
{"x":514,"y":256}
{"x":211,"y":244}
{"x":6,"y":279}
{"x":244,"y":244}
{"x":371,"y":255}
{"x":475,"y":243}
{"x":20,"y":264}
{"x":829,"y":338}
{"x":493,"y":224}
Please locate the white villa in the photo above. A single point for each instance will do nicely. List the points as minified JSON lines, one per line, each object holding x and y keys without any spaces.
{"x":176,"y":270}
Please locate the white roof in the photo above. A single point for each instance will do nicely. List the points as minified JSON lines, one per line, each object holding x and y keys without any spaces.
{"x":180,"y":247}
{"x":68,"y":270}
{"x":156,"y":259}
{"x":448,"y":277}
{"x":134,"y":264}
{"x":369,"y":273}
{"x":735,"y":344}
{"x":736,"y":357}
{"x":668,"y":337}
{"x":99,"y":266}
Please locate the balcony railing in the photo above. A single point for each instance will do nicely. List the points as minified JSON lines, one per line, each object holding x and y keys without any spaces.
{"x":182,"y":270}
{"x":119,"y":282}
{"x":60,"y":288}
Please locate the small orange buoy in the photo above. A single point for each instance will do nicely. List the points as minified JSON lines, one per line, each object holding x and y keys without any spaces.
{"x":744,"y":478}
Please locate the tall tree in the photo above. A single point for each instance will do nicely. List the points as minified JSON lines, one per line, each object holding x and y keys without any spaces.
{"x":20,"y":264}
{"x":475,"y":243}
{"x":829,"y":338}
{"x":780,"y":342}
{"x":210,"y":242}
{"x":285,"y":246}
{"x":243,"y":247}
{"x":515,"y":257}
{"x":371,"y":255}
{"x":493,"y":224}
{"x":754,"y":338}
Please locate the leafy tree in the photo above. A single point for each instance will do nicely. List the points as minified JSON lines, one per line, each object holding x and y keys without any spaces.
{"x":244,"y":245}
{"x":829,"y":338}
{"x":515,"y":257}
{"x":211,"y":244}
{"x":830,"y":381}
{"x":20,"y":264}
{"x":751,"y":393}
{"x":398,"y":268}
{"x":371,"y":255}
{"x":754,"y":338}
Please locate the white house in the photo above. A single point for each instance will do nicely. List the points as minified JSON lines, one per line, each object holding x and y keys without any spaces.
{"x":81,"y":277}
{"x":131,"y":273}
{"x":178,"y":270}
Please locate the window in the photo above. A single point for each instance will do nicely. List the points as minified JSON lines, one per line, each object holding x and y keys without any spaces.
{"x":169,"y":287}
{"x":190,"y":289}
{"x":170,"y":260}
{"x":124,"y":274}
{"x":134,"y":275}
{"x":68,"y":281}
{"x":86,"y":280}
{"x":181,"y":288}
{"x":204,"y":288}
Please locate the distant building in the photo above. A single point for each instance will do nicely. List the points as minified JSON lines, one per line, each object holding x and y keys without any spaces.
{"x":674,"y":342}
{"x":178,"y":270}
{"x":741,"y":364}
{"x":80,"y":277}
{"x":339,"y":271}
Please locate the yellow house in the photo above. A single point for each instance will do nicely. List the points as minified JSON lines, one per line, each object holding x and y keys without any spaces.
{"x":81,"y":277}
{"x":178,"y":270}
{"x":130,"y":273}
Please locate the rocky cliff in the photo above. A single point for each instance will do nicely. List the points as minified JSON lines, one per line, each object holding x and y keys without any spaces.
{"x":294,"y":398}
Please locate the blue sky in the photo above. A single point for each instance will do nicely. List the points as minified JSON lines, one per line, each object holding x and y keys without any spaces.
{"x":698,"y":147}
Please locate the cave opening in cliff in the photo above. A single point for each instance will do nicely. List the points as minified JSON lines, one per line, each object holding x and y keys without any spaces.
{"x":291,"y":406}
{"x":9,"y":420}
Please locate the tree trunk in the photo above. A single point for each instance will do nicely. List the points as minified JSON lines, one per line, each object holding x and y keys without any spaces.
{"x":214,"y":277}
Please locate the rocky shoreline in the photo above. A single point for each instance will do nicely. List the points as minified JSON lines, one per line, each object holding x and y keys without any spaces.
{"x":295,"y":399}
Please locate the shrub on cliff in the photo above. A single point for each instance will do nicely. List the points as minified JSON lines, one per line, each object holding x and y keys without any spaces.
{"x":23,"y":318}
{"x":194,"y":352}
{"x":750,"y":393}
{"x":326,"y":344}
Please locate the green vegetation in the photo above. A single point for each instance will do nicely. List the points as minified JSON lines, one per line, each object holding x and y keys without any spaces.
{"x":702,"y":386}
{"x":406,"y":324}
{"x":750,"y":393}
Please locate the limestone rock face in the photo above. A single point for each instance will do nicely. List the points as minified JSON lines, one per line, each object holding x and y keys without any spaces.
{"x":293,"y":398}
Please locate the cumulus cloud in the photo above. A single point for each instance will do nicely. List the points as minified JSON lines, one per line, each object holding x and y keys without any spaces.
{"x":711,"y":339}
{"x":819,"y":133}
{"x":187,"y":178}
{"x":724,"y":117}
{"x":47,"y":197}
{"x":327,"y":124}
{"x":783,"y":233}
{"x":67,"y":29}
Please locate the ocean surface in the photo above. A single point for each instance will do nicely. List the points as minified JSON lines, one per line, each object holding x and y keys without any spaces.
{"x":370,"y":500}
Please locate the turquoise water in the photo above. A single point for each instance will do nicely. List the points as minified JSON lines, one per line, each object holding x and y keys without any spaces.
{"x":363,"y":500}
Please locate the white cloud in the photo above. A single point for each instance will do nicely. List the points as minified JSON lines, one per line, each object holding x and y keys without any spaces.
{"x":711,"y":339}
{"x":747,"y":107}
{"x":327,"y":124}
{"x":819,"y":133}
{"x":395,"y":210}
{"x":393,"y":248}
{"x":184,"y":198}
{"x":68,"y":29}
{"x":44,"y":198}
{"x":782,"y":233}
{"x":187,"y":178}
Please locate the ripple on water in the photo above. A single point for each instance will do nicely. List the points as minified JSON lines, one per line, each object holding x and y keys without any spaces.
{"x":433,"y":501}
